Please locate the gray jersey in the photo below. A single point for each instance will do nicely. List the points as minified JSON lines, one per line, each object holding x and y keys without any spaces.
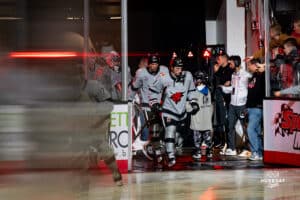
{"x":175,"y":94}
{"x":142,"y":81}
{"x":116,"y":78}
{"x":202,"y":120}
{"x":99,"y":86}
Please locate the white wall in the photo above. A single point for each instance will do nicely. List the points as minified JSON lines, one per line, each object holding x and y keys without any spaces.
{"x":221,"y":24}
{"x":235,"y":29}
{"x":230,"y":28}
{"x":211,"y":32}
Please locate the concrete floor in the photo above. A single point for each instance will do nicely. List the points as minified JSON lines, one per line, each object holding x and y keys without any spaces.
{"x":275,"y":183}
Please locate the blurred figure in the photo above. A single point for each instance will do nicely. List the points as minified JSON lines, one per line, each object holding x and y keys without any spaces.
{"x":276,"y":40}
{"x":291,"y":58}
{"x":99,"y":123}
{"x":77,"y":126}
{"x":289,"y":65}
{"x":201,"y":122}
{"x":143,"y":62}
{"x":178,"y":89}
{"x":296,"y":28}
{"x":113,"y":61}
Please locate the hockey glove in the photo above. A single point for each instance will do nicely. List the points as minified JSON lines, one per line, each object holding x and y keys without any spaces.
{"x":156,"y":108}
{"x":195,"y":108}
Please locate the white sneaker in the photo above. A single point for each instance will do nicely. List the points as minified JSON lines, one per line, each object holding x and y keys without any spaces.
{"x":229,"y":152}
{"x":196,"y":155}
{"x":245,"y":154}
{"x":209,"y":155}
{"x":159,"y":159}
{"x":171,"y":162}
{"x":255,"y":157}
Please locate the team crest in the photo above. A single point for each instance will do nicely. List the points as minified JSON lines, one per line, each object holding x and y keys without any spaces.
{"x":162,"y":74}
{"x":176,"y":97}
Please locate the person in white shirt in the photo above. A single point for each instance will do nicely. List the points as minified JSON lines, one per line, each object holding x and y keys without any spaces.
{"x":239,"y":92}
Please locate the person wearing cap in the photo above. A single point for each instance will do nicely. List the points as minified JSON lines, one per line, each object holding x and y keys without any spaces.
{"x":178,"y":89}
{"x":140,"y":85}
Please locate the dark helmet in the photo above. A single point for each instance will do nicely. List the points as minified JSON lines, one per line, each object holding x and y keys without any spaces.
{"x":153,"y":59}
{"x":177,"y":62}
{"x":201,"y":76}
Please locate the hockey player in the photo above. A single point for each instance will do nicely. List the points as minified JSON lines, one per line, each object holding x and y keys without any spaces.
{"x":201,"y":122}
{"x":178,"y":88}
{"x":143,"y":79}
{"x":98,"y":92}
{"x":113,"y":60}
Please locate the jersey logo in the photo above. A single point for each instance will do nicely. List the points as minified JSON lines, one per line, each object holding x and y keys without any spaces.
{"x":98,"y":72}
{"x":176,"y":97}
{"x":162,"y":74}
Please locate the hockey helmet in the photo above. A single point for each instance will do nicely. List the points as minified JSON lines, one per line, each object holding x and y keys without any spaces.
{"x":201,"y":76}
{"x":177,"y":62}
{"x":153,"y":59}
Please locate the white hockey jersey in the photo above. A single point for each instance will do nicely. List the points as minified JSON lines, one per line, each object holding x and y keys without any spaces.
{"x":141,"y":83}
{"x":176,"y":92}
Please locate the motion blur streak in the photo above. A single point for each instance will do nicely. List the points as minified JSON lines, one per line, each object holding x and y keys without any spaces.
{"x":54,"y":54}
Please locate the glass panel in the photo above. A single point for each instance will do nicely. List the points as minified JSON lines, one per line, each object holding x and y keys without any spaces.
{"x":42,"y":45}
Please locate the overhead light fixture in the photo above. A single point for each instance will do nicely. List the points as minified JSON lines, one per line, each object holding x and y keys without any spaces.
{"x":190,"y":54}
{"x":10,"y":18}
{"x":74,"y":18}
{"x":113,"y":18}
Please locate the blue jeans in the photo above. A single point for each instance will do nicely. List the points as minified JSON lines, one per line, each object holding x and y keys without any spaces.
{"x":234,"y":114}
{"x":254,"y":130}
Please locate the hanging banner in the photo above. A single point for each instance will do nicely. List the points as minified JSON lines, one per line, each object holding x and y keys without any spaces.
{"x":282,"y":132}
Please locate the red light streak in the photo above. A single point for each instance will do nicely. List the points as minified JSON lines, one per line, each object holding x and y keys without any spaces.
{"x":46,"y":54}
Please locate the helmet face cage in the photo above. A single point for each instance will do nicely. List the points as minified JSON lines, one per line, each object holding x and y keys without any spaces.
{"x":115,"y":58}
{"x":201,"y":77}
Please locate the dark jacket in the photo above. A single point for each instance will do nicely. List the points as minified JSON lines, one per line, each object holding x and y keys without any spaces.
{"x":256,"y":90}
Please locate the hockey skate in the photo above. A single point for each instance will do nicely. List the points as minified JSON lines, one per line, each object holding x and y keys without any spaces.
{"x":197,"y":155}
{"x":117,"y":177}
{"x":148,"y":151}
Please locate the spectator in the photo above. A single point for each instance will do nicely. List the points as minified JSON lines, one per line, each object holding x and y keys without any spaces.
{"x":201,"y":122}
{"x":288,"y":64}
{"x":222,"y":76}
{"x":256,"y":94}
{"x":239,"y":91}
{"x":276,"y":41}
{"x":296,"y":28}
